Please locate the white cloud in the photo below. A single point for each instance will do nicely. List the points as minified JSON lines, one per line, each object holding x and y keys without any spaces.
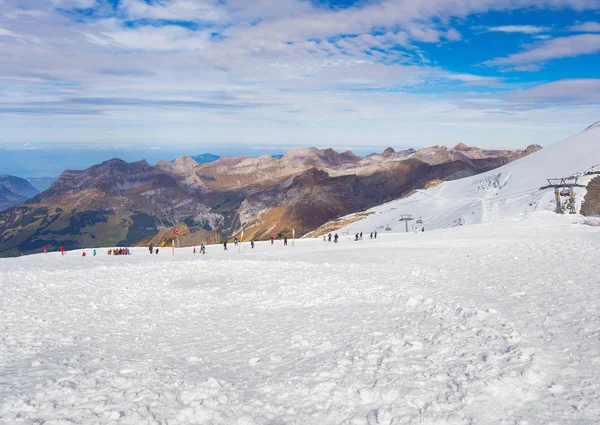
{"x":586,"y":27}
{"x":7,"y":33}
{"x":522,"y":29}
{"x":79,"y":4}
{"x":165,"y":38}
{"x":571,"y":91}
{"x":183,"y":10}
{"x":537,"y":54}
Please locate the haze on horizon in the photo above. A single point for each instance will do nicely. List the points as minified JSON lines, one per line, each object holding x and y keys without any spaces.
{"x":339,"y":73}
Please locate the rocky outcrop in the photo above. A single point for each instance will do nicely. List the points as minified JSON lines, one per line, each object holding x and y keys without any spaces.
{"x":116,"y":203}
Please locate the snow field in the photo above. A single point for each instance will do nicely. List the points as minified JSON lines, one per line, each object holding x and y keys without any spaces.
{"x":489,"y":324}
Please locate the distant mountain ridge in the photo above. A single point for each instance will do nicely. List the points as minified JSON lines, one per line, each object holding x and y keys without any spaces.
{"x":14,"y":190}
{"x":119,"y":203}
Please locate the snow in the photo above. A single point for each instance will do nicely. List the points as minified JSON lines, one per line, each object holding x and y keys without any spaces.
{"x":484,"y":324}
{"x":509,"y":192}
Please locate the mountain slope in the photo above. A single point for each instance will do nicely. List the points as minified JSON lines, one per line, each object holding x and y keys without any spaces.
{"x":120,"y":203}
{"x":508,"y":192}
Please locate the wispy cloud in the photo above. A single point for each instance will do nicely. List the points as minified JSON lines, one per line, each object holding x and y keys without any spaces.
{"x":586,"y":27}
{"x":572,"y":92}
{"x":536,"y":55}
{"x":521,"y":29}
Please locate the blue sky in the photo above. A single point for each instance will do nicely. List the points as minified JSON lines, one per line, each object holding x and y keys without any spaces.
{"x":341,"y":73}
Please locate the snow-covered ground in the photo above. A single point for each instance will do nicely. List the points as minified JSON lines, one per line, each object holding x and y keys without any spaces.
{"x":483,"y":324}
{"x":508,"y":192}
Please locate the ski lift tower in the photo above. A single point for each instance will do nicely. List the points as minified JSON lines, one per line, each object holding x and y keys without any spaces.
{"x":564,"y":187}
{"x":406,"y":218}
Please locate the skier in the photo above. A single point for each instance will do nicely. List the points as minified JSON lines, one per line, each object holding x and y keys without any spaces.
{"x":151,"y":249}
{"x":252,"y":244}
{"x":375,"y":234}
{"x":356,"y":237}
{"x":371,"y":236}
{"x":272,"y":240}
{"x":62,"y":250}
{"x":423,"y":229}
{"x":225,"y":246}
{"x":44,"y":249}
{"x":285,"y":241}
{"x":94,"y":254}
{"x":335,"y":238}
{"x":329,"y":237}
{"x":361,"y":236}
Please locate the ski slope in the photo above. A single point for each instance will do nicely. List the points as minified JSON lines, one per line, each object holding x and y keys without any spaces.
{"x":509,"y":192}
{"x":485,"y":324}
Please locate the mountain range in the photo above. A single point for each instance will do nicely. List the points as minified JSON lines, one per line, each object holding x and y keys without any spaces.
{"x":514,"y":191}
{"x":118,"y":203}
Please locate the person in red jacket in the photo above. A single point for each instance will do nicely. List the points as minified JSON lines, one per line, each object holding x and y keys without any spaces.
{"x":62,"y":250}
{"x":272,"y":239}
{"x":44,"y":249}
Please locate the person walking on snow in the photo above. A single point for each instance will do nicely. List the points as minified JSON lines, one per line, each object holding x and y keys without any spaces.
{"x":375,"y":234}
{"x":94,"y":253}
{"x":225,"y":246}
{"x":194,"y":250}
{"x":62,"y":250}
{"x":371,"y":236}
{"x":329,"y":237}
{"x":235,"y":242}
{"x":335,"y":238}
{"x":252,"y":244}
{"x":361,"y":236}
{"x":272,"y":239}
{"x":285,"y":241}
{"x":44,"y":249}
{"x":151,"y":249}
{"x":324,"y":238}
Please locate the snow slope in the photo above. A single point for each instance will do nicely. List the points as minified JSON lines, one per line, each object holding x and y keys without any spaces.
{"x":495,"y":324}
{"x":508,"y":192}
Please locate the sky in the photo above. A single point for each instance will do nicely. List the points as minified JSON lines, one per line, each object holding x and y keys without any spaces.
{"x":154,"y":74}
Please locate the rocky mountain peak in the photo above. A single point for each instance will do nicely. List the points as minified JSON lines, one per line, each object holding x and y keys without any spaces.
{"x":462,"y":147}
{"x":388,"y":152}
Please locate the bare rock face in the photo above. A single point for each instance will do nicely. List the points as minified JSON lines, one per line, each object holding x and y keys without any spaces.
{"x":116,"y":203}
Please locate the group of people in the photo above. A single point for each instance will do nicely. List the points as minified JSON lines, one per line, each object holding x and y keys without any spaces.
{"x":117,"y":251}
{"x":236,"y":242}
{"x":153,"y":250}
{"x":328,"y":238}
{"x":357,"y":237}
